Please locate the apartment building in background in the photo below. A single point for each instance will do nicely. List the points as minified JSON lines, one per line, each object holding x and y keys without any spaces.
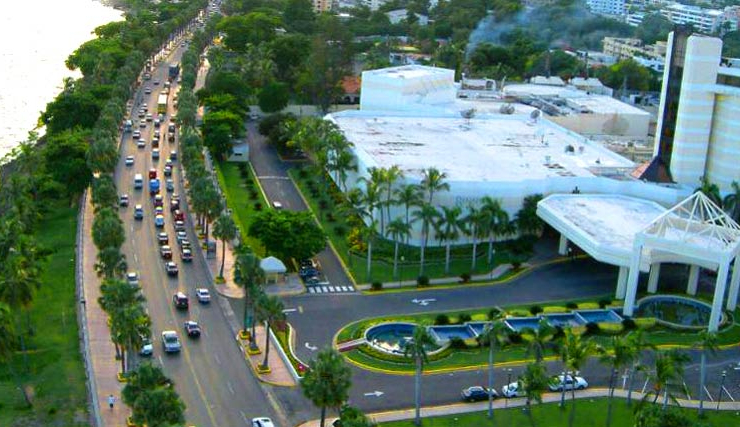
{"x":608,"y":7}
{"x":707,"y":21}
{"x":650,"y":56}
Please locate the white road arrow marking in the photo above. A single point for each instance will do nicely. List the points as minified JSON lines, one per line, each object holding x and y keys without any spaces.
{"x":310,"y":347}
{"x":290,"y":310}
{"x":375,"y":393}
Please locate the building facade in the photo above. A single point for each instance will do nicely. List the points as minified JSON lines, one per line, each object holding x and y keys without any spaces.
{"x":607,"y":7}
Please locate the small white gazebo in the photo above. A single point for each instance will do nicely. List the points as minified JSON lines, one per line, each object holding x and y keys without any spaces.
{"x":696,"y":232}
{"x":273,"y":269}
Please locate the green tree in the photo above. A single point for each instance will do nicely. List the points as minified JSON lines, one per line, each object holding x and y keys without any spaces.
{"x":711,"y":190}
{"x":160,"y":407}
{"x":271,"y":312}
{"x":218,"y":132}
{"x":252,"y":28}
{"x":273,"y":97}
{"x":7,"y":347}
{"x":649,"y":415}
{"x":288,"y":234}
{"x":142,"y":379}
{"x":448,"y":228}
{"x":526,"y":219}
{"x":107,"y":229}
{"x":299,"y":16}
{"x":248,"y":275}
{"x":416,"y":349}
{"x":224,"y":229}
{"x":398,"y":231}
{"x":731,"y":202}
{"x":638,"y":343}
{"x":668,"y":371}
{"x":129,"y":325}
{"x":67,"y":152}
{"x":534,"y":381}
{"x":289,"y":55}
{"x":494,"y":334}
{"x":327,"y":381}
{"x":111,"y":262}
{"x":619,"y":355}
{"x":433,"y":181}
{"x":539,"y":339}
{"x":408,"y":195}
{"x":104,"y":194}
{"x":708,"y":345}
{"x":574,"y":352}
{"x":475,"y":224}
{"x":497,"y":223}
{"x":654,"y":27}
{"x":426,"y":214}
{"x":102,"y":156}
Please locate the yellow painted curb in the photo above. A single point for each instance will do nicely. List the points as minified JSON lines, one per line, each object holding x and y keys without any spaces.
{"x":121,"y":378}
{"x":262,"y":370}
{"x":259,"y":185}
{"x":253,"y":352}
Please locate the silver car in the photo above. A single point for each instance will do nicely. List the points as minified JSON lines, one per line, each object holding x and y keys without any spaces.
{"x":171,"y":342}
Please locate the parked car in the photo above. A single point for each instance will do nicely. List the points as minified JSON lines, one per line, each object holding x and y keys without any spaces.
{"x":312,"y":281}
{"x":262,"y":422}
{"x":132,"y":278}
{"x":171,"y":342}
{"x":166,"y":252}
{"x":306,"y":272}
{"x":569,"y":382}
{"x":147,"y":348}
{"x":514,"y":389}
{"x":123,"y":200}
{"x":180,"y":300}
{"x":477,"y":393}
{"x":171,"y":268}
{"x":192,"y":329}
{"x":277,"y":205}
{"x":203,"y":295}
{"x":138,"y":212}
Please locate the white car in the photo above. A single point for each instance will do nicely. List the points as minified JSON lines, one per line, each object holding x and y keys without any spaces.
{"x":136,"y":134}
{"x":147,"y":348}
{"x":141,"y":143}
{"x":147,"y":90}
{"x":277,"y":205}
{"x":262,"y":422}
{"x":203,"y":295}
{"x":171,"y":342}
{"x":557,"y":383}
{"x":514,"y":389}
{"x":129,"y":160}
{"x":132,"y":278}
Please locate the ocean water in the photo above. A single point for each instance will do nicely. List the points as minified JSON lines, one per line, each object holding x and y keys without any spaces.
{"x":36,"y":36}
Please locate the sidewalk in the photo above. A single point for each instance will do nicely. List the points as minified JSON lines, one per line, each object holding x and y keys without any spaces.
{"x":103,"y":361}
{"x":462,"y":408}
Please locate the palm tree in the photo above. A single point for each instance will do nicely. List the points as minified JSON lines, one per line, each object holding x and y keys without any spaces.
{"x":493,"y":334}
{"x":474,"y":220}
{"x":408,"y":195}
{"x":116,"y":295}
{"x":374,"y":186}
{"x":107,"y":229}
{"x":731,"y":202}
{"x":534,"y":381}
{"x":145,"y":377}
{"x":668,"y":369}
{"x":368,"y":233}
{"x":637,"y":341}
{"x":426,"y":214}
{"x":246,"y":275}
{"x":128,"y":326}
{"x":710,"y":190}
{"x":343,"y":163}
{"x":391,"y":175}
{"x":398,"y":231}
{"x":416,"y":348}
{"x":497,"y":222}
{"x":271,"y":311}
{"x":111,"y":263}
{"x":327,"y":381}
{"x":540,"y":339}
{"x":708,"y":344}
{"x":449,"y":226}
{"x":526,"y":219}
{"x":7,"y":346}
{"x":433,"y":182}
{"x":620,"y":355}
{"x":224,"y":229}
{"x":576,"y":352}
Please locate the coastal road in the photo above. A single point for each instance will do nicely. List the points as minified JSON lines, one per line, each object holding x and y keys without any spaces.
{"x":210,"y":374}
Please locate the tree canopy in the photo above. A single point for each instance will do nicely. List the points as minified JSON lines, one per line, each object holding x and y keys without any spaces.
{"x":288,"y":234}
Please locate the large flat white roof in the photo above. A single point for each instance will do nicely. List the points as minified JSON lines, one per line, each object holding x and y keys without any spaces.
{"x":600,"y":104}
{"x":503,"y":148}
{"x":409,"y":72}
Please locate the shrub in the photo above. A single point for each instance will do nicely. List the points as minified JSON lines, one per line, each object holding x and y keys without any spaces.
{"x":340,"y":230}
{"x":330,"y":217}
{"x":515,"y":337}
{"x":610,"y":328}
{"x":464,"y":317}
{"x":422,"y":281}
{"x":458,"y":343}
{"x":258,"y":206}
{"x":571,"y":306}
{"x":604,"y":302}
{"x":588,"y":306}
{"x":592,"y":328}
{"x":376,"y":286}
{"x":465,"y":277}
{"x":645,"y":323}
{"x":555,"y":309}
{"x":535,"y":310}
{"x":494,"y":313}
{"x":323,"y":204}
{"x":516,"y":264}
{"x":302,"y":173}
{"x":559,"y":332}
{"x":629,"y":324}
{"x":253,"y":195}
{"x":442,"y":319}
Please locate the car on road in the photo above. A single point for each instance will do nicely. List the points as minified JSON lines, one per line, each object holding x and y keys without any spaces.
{"x":129,"y":160}
{"x":203,"y":295}
{"x":152,"y":173}
{"x":142,"y":123}
{"x":167,"y":170}
{"x":185,"y":244}
{"x":180,"y":300}
{"x":277,"y":205}
{"x":306,"y":272}
{"x":169,"y":184}
{"x":147,"y":348}
{"x":155,"y":142}
{"x":159,"y":210}
{"x":180,"y":236}
{"x":138,"y":212}
{"x":312,"y":281}
{"x":149,"y":117}
{"x":262,"y":422}
{"x":171,"y":268}
{"x":159,"y":221}
{"x":132,"y":278}
{"x":173,"y":155}
{"x":155,"y":154}
{"x":178,"y":215}
{"x":123,"y":200}
{"x":147,"y":76}
{"x":142,"y":113}
{"x":179,"y":226}
{"x":156,"y":82}
{"x":165,"y":252}
{"x":140,"y":143}
{"x":147,"y":90}
{"x":186,"y":254}
{"x":477,"y":393}
{"x":171,"y":342}
{"x":157,"y":123}
{"x":514,"y":389}
{"x":158,"y":200}
{"x":192,"y":328}
{"x":136,"y":134}
{"x":162,"y":238}
{"x":567,"y":382}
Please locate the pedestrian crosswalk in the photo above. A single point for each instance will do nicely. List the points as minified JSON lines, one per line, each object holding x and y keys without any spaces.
{"x":328,"y":289}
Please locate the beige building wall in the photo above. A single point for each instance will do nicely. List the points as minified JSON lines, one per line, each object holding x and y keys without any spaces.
{"x":724,"y":143}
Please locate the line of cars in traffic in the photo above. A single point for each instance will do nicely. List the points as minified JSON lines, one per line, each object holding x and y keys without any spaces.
{"x":516,"y":389}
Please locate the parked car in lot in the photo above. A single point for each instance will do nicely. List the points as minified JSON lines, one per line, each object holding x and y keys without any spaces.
{"x":262,"y":422}
{"x":138,"y":212}
{"x":123,"y":200}
{"x":192,"y":328}
{"x":312,"y":281}
{"x":306,"y":272}
{"x":514,"y":389}
{"x":166,"y":252}
{"x":477,"y":393}
{"x":171,"y":268}
{"x":159,"y":221}
{"x":171,"y":342}
{"x":203,"y":295}
{"x":162,"y":238}
{"x":569,"y":382}
{"x":277,"y":205}
{"x":180,"y":300}
{"x":132,"y":278}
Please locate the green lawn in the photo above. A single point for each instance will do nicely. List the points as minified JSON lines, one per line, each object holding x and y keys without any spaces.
{"x":337,"y":229}
{"x":589,"y":413}
{"x":242,"y":195}
{"x":56,"y":379}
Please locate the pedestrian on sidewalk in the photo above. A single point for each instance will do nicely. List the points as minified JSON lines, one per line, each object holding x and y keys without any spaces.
{"x":111,"y":401}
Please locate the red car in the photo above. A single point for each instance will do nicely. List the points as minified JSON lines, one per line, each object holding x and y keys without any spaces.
{"x":152,"y":174}
{"x":179,"y":215}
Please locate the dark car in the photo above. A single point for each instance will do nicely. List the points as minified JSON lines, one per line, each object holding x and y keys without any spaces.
{"x":477,"y":393}
{"x":123,"y":200}
{"x":166,"y":252}
{"x":180,"y":300}
{"x":306,"y":272}
{"x":192,"y":329}
{"x":162,"y":238}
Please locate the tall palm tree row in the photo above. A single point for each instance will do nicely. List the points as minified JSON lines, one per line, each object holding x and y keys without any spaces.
{"x":416,"y":349}
{"x":708,"y":345}
{"x":271,"y":312}
{"x":398,"y":231}
{"x":619,"y":355}
{"x":448,"y":226}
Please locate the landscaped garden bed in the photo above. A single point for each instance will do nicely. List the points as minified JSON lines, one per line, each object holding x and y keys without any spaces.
{"x":466,"y":352}
{"x":243,"y":196}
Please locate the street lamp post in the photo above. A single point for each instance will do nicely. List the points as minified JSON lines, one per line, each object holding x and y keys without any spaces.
{"x":508,"y":381}
{"x":721,"y":388}
{"x":400,"y":271}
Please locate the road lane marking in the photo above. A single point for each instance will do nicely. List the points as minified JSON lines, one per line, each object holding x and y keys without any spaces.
{"x":161,"y":362}
{"x":228,"y":385}
{"x":244,"y":416}
{"x":218,"y":361}
{"x":136,"y":258}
